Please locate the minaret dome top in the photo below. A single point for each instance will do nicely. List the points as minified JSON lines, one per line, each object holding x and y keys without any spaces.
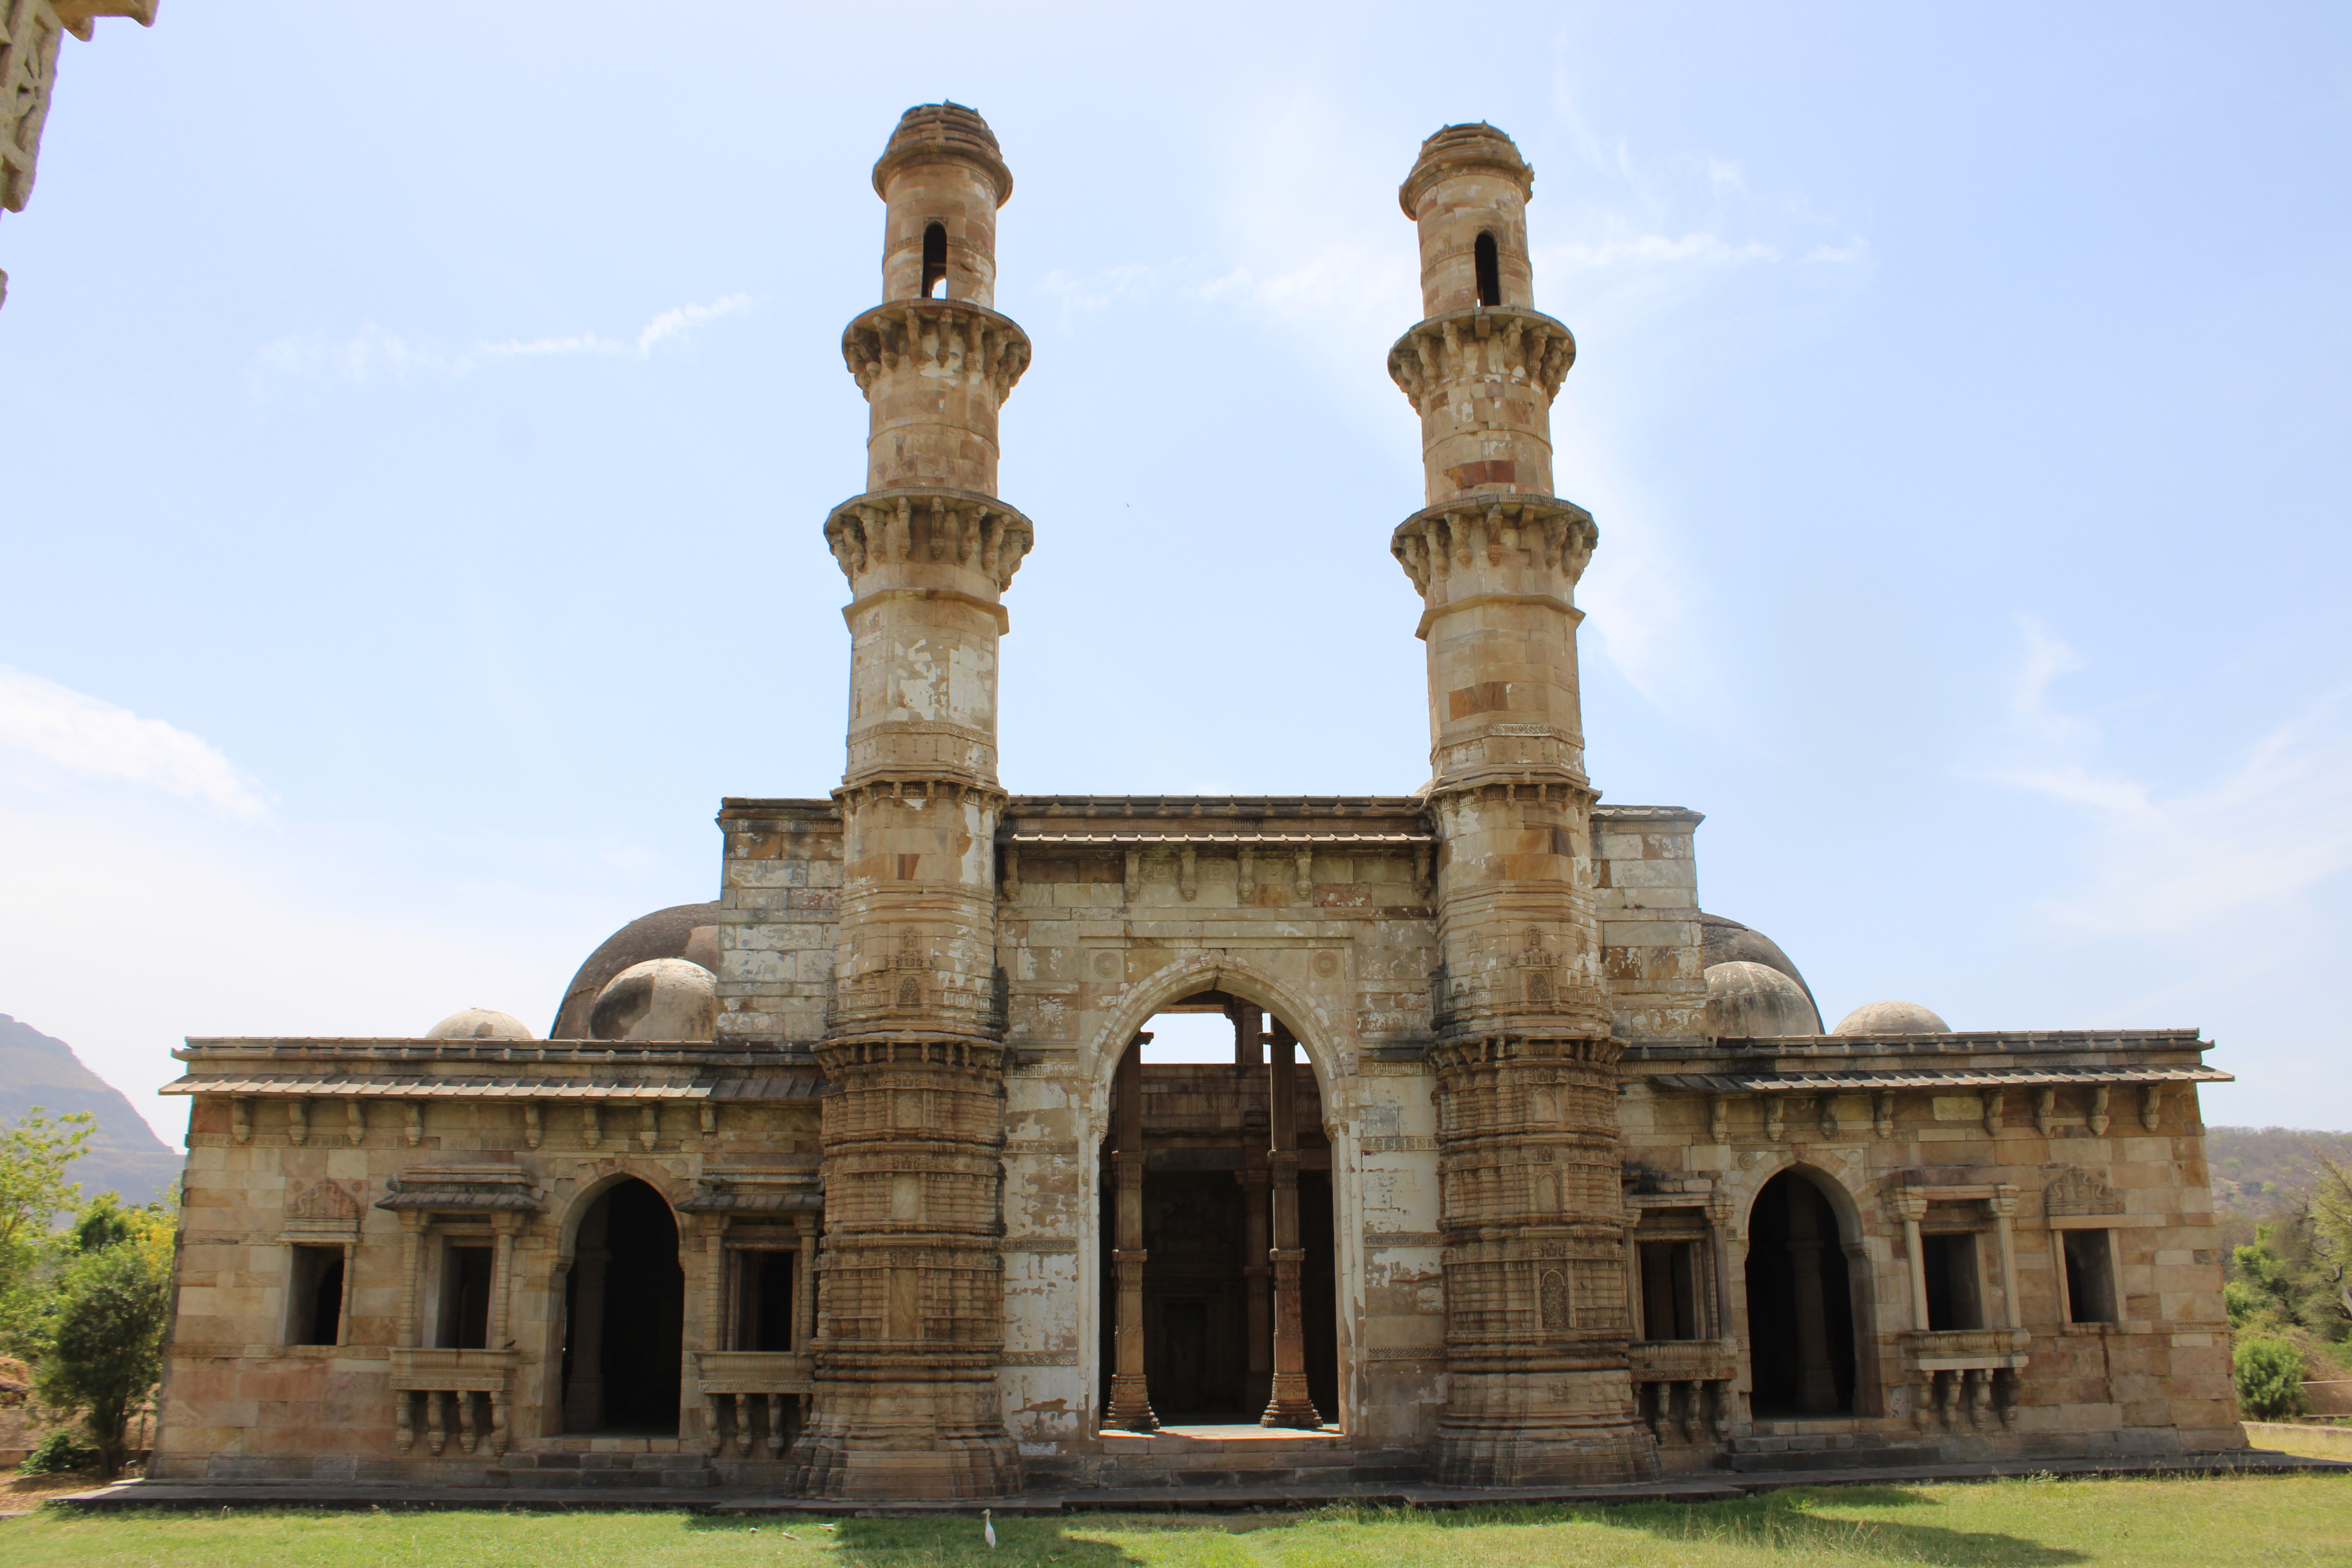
{"x":943,"y":131}
{"x":1459,"y":149}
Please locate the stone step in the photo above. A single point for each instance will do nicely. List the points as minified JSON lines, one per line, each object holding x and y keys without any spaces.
{"x":1904,"y":1455}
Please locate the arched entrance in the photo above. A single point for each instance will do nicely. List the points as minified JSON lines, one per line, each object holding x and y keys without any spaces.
{"x":1217,"y":1229}
{"x":624,"y":1316}
{"x":1800,"y":1327}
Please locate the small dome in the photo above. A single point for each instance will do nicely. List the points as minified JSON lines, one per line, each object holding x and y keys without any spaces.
{"x":1726,"y":940}
{"x":481,"y":1023}
{"x":1748,"y":1001}
{"x":683,"y":931}
{"x":1891,"y":1018}
{"x":660,"y":999}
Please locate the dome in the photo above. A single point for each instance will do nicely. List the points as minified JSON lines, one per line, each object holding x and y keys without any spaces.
{"x":1755,"y":1001}
{"x":1891,"y":1018}
{"x":660,"y":999}
{"x":682,"y":930}
{"x":1726,"y":940}
{"x":481,"y":1023}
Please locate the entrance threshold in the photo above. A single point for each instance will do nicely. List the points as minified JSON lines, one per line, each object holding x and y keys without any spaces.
{"x":1184,"y":1437}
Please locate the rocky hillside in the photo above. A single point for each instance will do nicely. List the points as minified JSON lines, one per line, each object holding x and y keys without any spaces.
{"x":123,"y":1154}
{"x":2258,"y":1169}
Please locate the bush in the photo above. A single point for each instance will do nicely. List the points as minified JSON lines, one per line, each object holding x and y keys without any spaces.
{"x":107,"y":1350}
{"x":2269,"y":1374}
{"x":57,"y":1452}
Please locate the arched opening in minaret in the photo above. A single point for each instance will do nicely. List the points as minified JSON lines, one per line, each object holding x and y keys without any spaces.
{"x":1208,"y":1212}
{"x":1799,"y":1302}
{"x":1490,"y":270}
{"x":624,"y":1316}
{"x":935,"y":262}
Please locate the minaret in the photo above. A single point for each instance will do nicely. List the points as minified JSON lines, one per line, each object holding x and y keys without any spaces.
{"x":1537,"y":1324}
{"x":910,"y":1283}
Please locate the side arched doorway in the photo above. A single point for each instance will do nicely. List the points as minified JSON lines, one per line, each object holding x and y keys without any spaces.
{"x":624,"y":1316}
{"x":1800,"y":1313}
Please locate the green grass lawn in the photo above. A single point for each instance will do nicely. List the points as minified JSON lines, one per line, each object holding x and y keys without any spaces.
{"x":2275,"y":1522}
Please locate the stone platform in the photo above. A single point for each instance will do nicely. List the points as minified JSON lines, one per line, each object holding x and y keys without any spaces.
{"x":1710,"y":1487}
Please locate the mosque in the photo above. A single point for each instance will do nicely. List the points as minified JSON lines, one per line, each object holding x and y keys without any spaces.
{"x":857,"y":1182}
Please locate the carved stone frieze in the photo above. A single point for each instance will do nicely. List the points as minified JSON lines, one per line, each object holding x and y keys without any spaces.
{"x":924,"y":523}
{"x":954,"y":337}
{"x":1500,"y":344}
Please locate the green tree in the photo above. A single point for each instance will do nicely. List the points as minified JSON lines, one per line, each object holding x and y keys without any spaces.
{"x":2269,"y":1375}
{"x":105,"y":1342}
{"x":34,"y":1155}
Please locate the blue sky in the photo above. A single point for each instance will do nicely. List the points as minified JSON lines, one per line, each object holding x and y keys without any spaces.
{"x":420,"y":421}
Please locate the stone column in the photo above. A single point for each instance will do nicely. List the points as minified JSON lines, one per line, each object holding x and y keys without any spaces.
{"x":2003,"y":1207}
{"x":1816,"y":1383}
{"x":411,"y":1238}
{"x":1248,"y":1054}
{"x":1130,"y":1399}
{"x":1910,"y":1205}
{"x":1538,"y":1391}
{"x":908,"y":1404}
{"x":1287,"y":1403}
{"x":805,"y":1281}
{"x":1257,"y":1278}
{"x":503,"y":1226}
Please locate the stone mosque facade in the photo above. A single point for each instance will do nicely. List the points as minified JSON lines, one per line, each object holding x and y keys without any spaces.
{"x":1527,"y":1173}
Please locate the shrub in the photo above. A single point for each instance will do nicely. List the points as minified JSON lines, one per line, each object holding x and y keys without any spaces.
{"x":58,"y":1451}
{"x":107,"y":1346}
{"x":2269,"y":1374}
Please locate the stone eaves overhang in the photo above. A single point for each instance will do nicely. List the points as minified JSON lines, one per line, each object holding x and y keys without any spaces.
{"x":797,"y":1086}
{"x":1271,"y":821}
{"x":1970,"y":1061}
{"x":1862,"y":1082}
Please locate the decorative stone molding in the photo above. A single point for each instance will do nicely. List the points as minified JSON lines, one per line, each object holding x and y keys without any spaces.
{"x":2076,"y":1190}
{"x":930,"y":335}
{"x":324,"y":1211}
{"x":1494,"y":530}
{"x":1495,"y":343}
{"x":898,"y":788}
{"x":930,"y":523}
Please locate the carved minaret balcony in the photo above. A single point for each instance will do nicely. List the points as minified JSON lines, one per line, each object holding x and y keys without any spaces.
{"x":910,"y":1282}
{"x":1538,"y":1326}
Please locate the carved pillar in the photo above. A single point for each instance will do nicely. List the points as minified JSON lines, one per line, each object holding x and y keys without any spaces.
{"x":912,"y":1285}
{"x":1287,"y":1403}
{"x":1248,"y":1052}
{"x":1910,"y":1204}
{"x":411,"y":1255}
{"x":804,"y":1283}
{"x":1257,"y":1278}
{"x":504,"y":1224}
{"x":1816,"y":1383}
{"x":2003,"y":1207}
{"x":1130,"y":1399}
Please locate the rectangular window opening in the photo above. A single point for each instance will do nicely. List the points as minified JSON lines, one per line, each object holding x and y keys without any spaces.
{"x":763,"y":1300}
{"x":2090,"y":1277}
{"x":1955,"y":1289}
{"x":465,"y":1298}
{"x":314,"y":1296}
{"x":1669,"y":1289}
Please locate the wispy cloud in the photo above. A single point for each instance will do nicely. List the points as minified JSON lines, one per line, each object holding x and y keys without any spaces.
{"x":2241,"y":852}
{"x":91,"y":739}
{"x":373,"y":352}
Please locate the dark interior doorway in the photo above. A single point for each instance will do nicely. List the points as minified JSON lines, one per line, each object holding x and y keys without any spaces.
{"x":624,"y":1317}
{"x":1799,"y":1302}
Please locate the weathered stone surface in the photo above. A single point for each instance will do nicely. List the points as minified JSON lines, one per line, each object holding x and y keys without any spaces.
{"x":1540,"y":1220}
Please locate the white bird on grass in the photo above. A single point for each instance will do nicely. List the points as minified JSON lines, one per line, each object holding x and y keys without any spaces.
{"x":988,"y":1528}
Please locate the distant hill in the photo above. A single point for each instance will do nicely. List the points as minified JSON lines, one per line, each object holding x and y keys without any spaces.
{"x":123,"y":1153}
{"x":2258,"y":1169}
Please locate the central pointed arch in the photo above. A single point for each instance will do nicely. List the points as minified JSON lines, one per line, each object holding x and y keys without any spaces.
{"x":1243,"y":980}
